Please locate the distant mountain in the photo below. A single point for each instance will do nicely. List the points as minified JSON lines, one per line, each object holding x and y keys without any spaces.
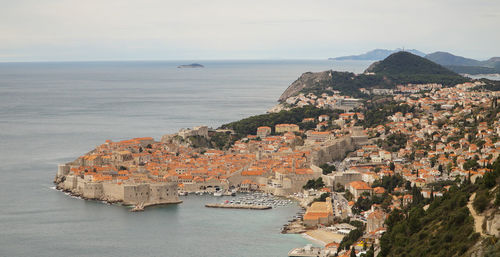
{"x":493,"y":62}
{"x":447,"y":59}
{"x":405,"y":63}
{"x":473,"y":70}
{"x":376,"y":55}
{"x":464,"y":65}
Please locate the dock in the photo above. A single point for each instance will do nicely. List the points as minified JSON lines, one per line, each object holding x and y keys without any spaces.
{"x":238,"y":206}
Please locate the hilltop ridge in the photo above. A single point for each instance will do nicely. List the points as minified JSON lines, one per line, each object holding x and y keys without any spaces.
{"x":464,"y":65}
{"x":398,"y":68}
{"x":408,"y":63}
{"x":445,"y":58}
{"x":376,"y":55}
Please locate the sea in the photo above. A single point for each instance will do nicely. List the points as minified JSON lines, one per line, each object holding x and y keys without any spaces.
{"x":52,"y":113}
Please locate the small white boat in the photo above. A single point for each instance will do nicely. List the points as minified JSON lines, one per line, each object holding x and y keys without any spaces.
{"x":218,"y":193}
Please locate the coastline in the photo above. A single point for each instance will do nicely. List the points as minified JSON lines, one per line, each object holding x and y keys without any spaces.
{"x":323,"y":236}
{"x":63,"y":213}
{"x":132,"y":207}
{"x":312,"y":239}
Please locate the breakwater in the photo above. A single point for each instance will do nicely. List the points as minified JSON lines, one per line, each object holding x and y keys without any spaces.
{"x":238,"y":206}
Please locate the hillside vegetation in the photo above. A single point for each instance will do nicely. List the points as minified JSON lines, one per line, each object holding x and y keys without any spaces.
{"x":446,"y":228}
{"x":404,"y":68}
{"x":348,"y":83}
{"x":403,"y":63}
{"x":490,"y":85}
{"x":294,"y":116}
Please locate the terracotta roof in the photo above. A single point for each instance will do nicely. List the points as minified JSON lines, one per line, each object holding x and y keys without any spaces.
{"x":360,"y":185}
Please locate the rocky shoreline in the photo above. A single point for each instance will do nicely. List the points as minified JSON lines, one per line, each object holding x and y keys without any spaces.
{"x":135,"y":208}
{"x":79,"y":195}
{"x":59,"y":182}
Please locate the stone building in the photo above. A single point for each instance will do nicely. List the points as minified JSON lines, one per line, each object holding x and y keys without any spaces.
{"x":196,"y":131}
{"x":281,"y":128}
{"x":319,"y":213}
{"x":316,"y":136}
{"x":375,"y":220}
{"x":357,"y":188}
{"x":263,"y":131}
{"x":342,"y":178}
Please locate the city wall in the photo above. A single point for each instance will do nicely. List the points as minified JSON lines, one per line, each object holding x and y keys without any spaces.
{"x":130,"y":194}
{"x":333,"y":150}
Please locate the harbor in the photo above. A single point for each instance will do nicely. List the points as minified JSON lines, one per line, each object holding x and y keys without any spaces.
{"x":238,"y":206}
{"x":255,"y":200}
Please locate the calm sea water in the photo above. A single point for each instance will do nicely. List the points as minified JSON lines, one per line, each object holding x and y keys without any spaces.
{"x":52,"y":113}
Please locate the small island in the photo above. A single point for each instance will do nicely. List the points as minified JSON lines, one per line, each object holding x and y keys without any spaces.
{"x":192,"y":65}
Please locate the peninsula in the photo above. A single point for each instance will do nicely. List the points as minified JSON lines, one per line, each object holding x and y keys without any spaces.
{"x":402,"y":158}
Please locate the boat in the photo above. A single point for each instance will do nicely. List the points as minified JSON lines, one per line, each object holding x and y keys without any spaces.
{"x":183,"y":193}
{"x":218,"y":193}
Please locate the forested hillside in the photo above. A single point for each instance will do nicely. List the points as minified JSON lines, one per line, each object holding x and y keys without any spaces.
{"x":445,"y":227}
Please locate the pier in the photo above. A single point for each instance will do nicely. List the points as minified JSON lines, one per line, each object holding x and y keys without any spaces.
{"x":238,"y":206}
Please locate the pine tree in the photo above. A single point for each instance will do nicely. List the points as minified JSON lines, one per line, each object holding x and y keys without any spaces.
{"x":353,"y":252}
{"x":371,"y":252}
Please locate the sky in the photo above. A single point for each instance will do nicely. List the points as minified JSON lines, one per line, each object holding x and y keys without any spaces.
{"x":76,"y":30}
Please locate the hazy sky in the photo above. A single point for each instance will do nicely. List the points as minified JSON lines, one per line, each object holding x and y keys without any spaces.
{"x":57,"y":30}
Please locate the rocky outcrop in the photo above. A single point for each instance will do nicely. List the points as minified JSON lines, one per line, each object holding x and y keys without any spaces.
{"x":306,"y":80}
{"x":371,"y":67}
{"x":493,"y":224}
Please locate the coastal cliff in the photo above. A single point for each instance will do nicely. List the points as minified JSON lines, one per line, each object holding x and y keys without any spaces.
{"x":307,"y":79}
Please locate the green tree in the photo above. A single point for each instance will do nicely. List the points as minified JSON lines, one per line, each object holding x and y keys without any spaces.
{"x":481,"y":201}
{"x":322,"y":197}
{"x":327,"y":169}
{"x":314,"y":184}
{"x":370,"y":252}
{"x":489,"y":179}
{"x":471,"y":164}
{"x":350,"y":239}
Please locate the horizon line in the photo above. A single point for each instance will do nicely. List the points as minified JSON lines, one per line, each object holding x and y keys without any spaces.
{"x":181,"y":60}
